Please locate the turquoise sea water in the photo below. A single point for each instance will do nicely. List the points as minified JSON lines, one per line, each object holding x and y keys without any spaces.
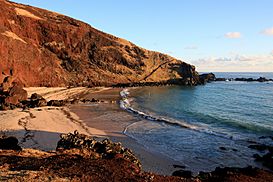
{"x":206,"y":126}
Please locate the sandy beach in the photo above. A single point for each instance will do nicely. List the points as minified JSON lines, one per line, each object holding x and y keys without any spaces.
{"x":108,"y":117}
{"x":40,"y":128}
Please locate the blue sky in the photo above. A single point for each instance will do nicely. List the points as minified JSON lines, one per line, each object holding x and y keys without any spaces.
{"x":223,"y":35}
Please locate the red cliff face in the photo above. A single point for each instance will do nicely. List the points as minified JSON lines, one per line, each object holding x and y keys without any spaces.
{"x":42,"y":48}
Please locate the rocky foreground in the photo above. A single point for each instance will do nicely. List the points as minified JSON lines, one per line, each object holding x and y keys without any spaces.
{"x":82,"y":158}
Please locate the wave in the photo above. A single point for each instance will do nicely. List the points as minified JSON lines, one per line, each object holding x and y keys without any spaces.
{"x":125,"y":104}
{"x":223,"y":121}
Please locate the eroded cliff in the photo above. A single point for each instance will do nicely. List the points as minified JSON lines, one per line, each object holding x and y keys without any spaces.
{"x":43,"y":48}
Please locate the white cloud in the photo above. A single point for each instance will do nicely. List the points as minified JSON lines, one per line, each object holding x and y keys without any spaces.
{"x":233,"y":35}
{"x":192,"y":47}
{"x":223,"y":59}
{"x":268,"y":31}
{"x":236,"y":63}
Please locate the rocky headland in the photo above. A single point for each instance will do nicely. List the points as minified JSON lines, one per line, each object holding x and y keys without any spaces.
{"x":43,"y":48}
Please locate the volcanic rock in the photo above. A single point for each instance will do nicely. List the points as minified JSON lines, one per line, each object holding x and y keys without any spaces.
{"x":221,"y":79}
{"x":267,"y":158}
{"x":260,"y":147}
{"x":36,"y":100}
{"x":262,"y":79}
{"x":207,"y":77}
{"x":106,"y":148}
{"x":56,"y":103}
{"x":236,"y":175}
{"x":6,"y":84}
{"x":11,"y":94}
{"x":36,"y":96}
{"x":16,"y":94}
{"x":183,"y":173}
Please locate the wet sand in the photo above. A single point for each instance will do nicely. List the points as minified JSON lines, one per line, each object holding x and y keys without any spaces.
{"x":109,"y":118}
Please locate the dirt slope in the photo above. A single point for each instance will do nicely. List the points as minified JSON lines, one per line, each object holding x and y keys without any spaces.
{"x":43,"y":48}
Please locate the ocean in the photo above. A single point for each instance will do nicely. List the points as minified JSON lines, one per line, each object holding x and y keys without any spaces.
{"x":206,"y":126}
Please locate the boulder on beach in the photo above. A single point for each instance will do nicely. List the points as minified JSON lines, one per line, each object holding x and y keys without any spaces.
{"x":56,"y":103}
{"x":37,"y":100}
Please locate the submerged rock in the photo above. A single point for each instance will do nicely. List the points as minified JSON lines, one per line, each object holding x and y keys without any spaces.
{"x":222,"y":148}
{"x":183,"y":173}
{"x":229,"y":174}
{"x":267,"y":158}
{"x":261,"y":147}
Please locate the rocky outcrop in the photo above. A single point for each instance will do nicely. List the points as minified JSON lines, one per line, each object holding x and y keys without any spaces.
{"x":105,"y":149}
{"x":44,"y":48}
{"x":11,"y":93}
{"x":207,"y":77}
{"x":260,"y":79}
{"x":35,"y":100}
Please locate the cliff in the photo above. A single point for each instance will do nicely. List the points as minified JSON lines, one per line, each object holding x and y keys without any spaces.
{"x":43,"y":48}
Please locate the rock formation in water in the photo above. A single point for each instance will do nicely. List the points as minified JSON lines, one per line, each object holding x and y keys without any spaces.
{"x":43,"y":48}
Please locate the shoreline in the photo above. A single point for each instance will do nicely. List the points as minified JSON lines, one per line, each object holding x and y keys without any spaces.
{"x":111,"y":119}
{"x":40,"y":128}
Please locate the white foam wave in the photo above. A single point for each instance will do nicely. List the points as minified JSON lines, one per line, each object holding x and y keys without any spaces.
{"x":125,"y":104}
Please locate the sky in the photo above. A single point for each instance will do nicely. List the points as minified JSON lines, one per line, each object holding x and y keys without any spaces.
{"x":213,"y":35}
